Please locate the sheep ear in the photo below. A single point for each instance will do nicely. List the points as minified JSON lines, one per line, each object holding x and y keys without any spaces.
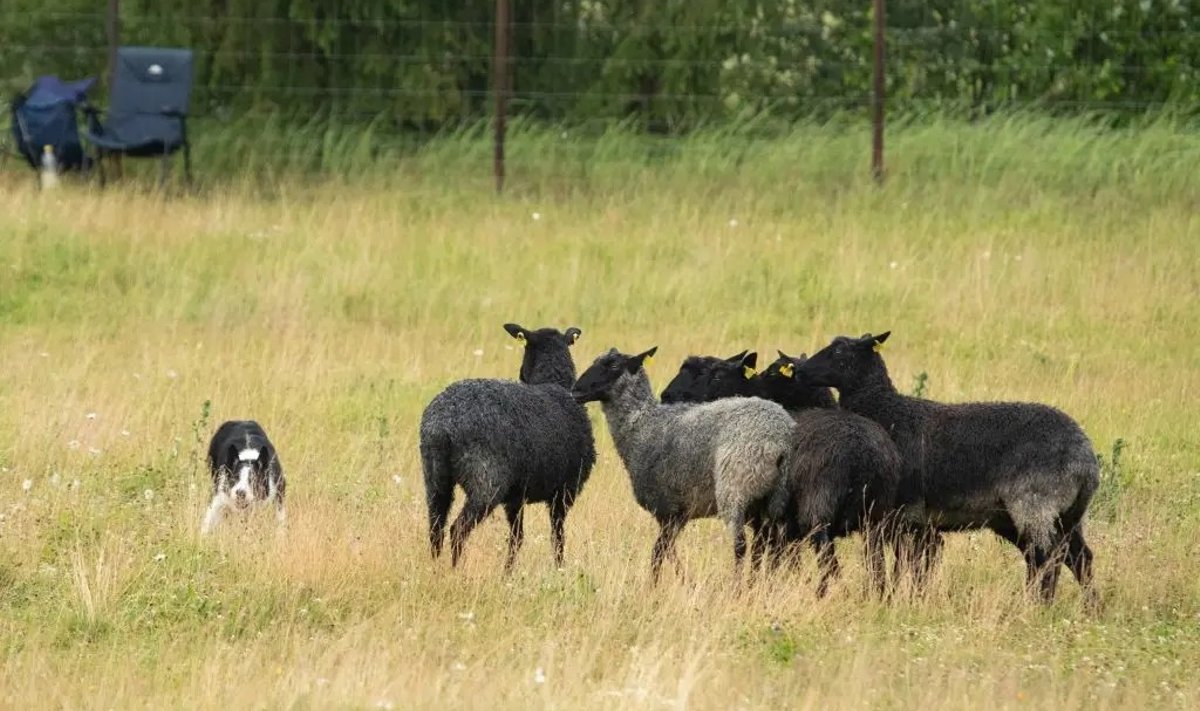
{"x":748,"y":364}
{"x":515,"y":331}
{"x":877,"y":341}
{"x":736,"y":358}
{"x":783,"y":356}
{"x":641,"y":360}
{"x":573,"y":334}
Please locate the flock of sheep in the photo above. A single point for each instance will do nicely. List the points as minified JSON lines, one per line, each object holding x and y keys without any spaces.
{"x":773,"y":451}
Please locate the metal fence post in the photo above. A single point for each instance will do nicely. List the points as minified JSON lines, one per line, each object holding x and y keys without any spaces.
{"x":878,"y":94}
{"x":500,"y":89}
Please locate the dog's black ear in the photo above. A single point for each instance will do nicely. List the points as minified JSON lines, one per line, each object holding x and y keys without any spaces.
{"x":231,"y":457}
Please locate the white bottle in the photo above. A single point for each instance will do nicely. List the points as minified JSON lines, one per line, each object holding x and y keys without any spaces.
{"x":49,"y":168}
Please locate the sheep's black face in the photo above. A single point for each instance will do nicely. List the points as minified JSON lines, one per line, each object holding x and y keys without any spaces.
{"x":547,"y":358}
{"x":785,"y":383}
{"x":708,"y":378}
{"x":596,"y":383}
{"x":844,"y":362}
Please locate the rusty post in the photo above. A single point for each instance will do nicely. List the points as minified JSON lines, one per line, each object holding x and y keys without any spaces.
{"x":500,"y":88}
{"x":877,"y":94}
{"x":112,"y":28}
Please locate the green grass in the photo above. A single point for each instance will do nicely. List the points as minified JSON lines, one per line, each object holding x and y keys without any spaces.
{"x":1019,"y":258}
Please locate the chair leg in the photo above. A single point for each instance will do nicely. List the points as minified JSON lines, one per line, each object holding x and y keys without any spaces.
{"x":162,"y":171}
{"x":187,"y":163}
{"x":100,"y":156}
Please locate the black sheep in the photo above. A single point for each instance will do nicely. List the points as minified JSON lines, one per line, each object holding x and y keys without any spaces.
{"x":843,"y":474}
{"x":509,"y":443}
{"x":1026,"y":471}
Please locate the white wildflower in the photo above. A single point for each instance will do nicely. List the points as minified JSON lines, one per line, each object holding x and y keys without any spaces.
{"x":160,"y":557}
{"x":148,"y":494}
{"x":537,"y":216}
{"x":478,"y":352}
{"x":91,"y":415}
{"x":27,"y":485}
{"x":539,"y":676}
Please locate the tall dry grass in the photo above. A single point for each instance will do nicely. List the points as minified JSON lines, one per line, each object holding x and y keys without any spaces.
{"x":1037,"y":263}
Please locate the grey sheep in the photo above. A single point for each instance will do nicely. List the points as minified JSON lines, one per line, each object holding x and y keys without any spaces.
{"x":1026,"y":471}
{"x":845,"y":471}
{"x":691,"y":461}
{"x":509,"y":443}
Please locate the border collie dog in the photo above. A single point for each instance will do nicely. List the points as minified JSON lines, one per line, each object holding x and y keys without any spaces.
{"x":245,"y":470}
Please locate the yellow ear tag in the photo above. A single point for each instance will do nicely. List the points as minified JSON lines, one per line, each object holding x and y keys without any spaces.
{"x":748,"y":371}
{"x":877,"y":347}
{"x":520,"y":338}
{"x":647,"y":361}
{"x":787,"y":370}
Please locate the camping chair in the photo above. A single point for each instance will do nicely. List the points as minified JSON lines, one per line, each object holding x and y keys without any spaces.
{"x":148,"y":106}
{"x":46,"y":116}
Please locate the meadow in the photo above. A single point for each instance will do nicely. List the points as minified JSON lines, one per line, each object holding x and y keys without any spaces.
{"x":1017,"y":258}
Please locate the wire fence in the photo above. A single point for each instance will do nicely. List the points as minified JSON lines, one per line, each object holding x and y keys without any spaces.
{"x":407,"y":77}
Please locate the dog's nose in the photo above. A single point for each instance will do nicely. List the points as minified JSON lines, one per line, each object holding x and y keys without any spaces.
{"x":240,"y":494}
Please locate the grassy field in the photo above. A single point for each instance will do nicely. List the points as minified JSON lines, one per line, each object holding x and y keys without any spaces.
{"x":1018,"y":259}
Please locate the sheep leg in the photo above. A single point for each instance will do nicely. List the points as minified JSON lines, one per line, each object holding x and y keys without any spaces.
{"x":439,"y":510}
{"x":559,"y":506}
{"x":664,"y":546}
{"x":737,"y":528}
{"x":874,"y":536}
{"x":826,"y":560}
{"x":472,"y":513}
{"x":1079,"y":560}
{"x":917,"y":549}
{"x":515,"y":512}
{"x":1055,"y":559}
{"x":762,"y":548}
{"x":931,"y":553}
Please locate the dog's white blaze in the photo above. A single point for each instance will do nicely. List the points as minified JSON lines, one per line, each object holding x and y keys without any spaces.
{"x":243,"y":483}
{"x":248,"y":455}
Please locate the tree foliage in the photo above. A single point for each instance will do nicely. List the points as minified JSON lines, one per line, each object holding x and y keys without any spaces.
{"x":665,"y":64}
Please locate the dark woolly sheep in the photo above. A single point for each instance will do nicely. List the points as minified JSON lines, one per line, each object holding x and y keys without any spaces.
{"x":844,"y":472}
{"x":708,"y":378}
{"x":1026,"y":471}
{"x":509,"y":443}
{"x":916,"y":545}
{"x":691,"y":461}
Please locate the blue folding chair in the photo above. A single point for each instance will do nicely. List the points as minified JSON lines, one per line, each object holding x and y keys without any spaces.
{"x":46,"y":116}
{"x":148,"y":108}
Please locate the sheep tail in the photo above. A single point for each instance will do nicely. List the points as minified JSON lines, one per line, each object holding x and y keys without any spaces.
{"x":781,"y":497}
{"x":439,"y":484}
